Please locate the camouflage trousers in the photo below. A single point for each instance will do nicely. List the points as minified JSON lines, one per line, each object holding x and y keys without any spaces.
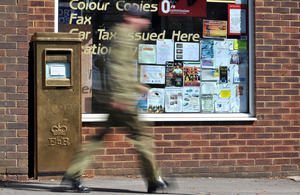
{"x":142,"y":142}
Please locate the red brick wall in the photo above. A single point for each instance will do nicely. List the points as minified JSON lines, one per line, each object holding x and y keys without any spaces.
{"x":13,"y":89}
{"x":19,"y":19}
{"x":40,"y":16}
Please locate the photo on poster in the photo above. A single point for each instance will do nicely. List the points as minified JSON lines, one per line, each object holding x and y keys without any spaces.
{"x":187,"y":51}
{"x":147,"y":54}
{"x":191,"y":99}
{"x":156,"y":100}
{"x":173,"y":99}
{"x":174,"y":74}
{"x":152,"y":74}
{"x":191,"y":73}
{"x":234,"y":57}
{"x":164,"y":51}
{"x":214,"y":29}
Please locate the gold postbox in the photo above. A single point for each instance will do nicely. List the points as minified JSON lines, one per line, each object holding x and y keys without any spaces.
{"x":57,"y":96}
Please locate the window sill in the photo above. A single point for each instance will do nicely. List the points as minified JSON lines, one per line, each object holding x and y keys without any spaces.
{"x":178,"y":117}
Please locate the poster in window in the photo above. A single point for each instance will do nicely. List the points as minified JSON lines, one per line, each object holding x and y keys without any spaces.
{"x":222,"y":57}
{"x":187,"y":51}
{"x":210,"y":74}
{"x":234,"y":57}
{"x":207,"y":48}
{"x":214,"y":29}
{"x":194,"y":8}
{"x":147,"y":54}
{"x":223,"y":74}
{"x":240,"y":45}
{"x":191,"y":99}
{"x":222,"y":106}
{"x":224,"y":44}
{"x":207,"y":53}
{"x":239,"y":74}
{"x":155,"y":100}
{"x":174,"y":74}
{"x":152,"y":74}
{"x":164,"y":51}
{"x":237,"y":23}
{"x":191,"y":73}
{"x":142,"y":103}
{"x":239,"y":100}
{"x":207,"y":104}
{"x":209,"y":88}
{"x":173,"y":99}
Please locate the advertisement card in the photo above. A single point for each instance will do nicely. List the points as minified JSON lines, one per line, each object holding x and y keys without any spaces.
{"x":210,"y":74}
{"x":237,"y":23}
{"x":187,"y":51}
{"x":174,"y":74}
{"x":223,"y":74}
{"x":191,"y":99}
{"x":173,"y":99}
{"x":191,"y":73}
{"x":156,"y":100}
{"x":207,"y":104}
{"x":152,"y":74}
{"x":164,"y":51}
{"x":147,"y":54}
{"x":214,"y":28}
{"x":142,"y":103}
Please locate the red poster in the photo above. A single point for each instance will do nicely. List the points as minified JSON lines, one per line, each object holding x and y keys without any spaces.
{"x":194,"y":8}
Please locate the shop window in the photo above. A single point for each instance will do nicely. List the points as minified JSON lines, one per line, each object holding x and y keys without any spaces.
{"x":197,"y":57}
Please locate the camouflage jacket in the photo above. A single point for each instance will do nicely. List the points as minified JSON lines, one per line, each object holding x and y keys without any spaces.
{"x":122,"y":71}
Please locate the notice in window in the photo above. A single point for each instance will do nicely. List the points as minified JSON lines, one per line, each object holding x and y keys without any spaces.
{"x":187,"y":51}
{"x":165,"y":51}
{"x":147,"y":54}
{"x":237,"y":19}
{"x":173,"y":99}
{"x":152,"y":74}
{"x":191,"y":73}
{"x":214,"y":28}
{"x":156,"y":100}
{"x":191,"y":99}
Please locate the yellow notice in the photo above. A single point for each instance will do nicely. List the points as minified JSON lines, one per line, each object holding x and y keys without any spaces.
{"x":225,"y":93}
{"x":240,"y":45}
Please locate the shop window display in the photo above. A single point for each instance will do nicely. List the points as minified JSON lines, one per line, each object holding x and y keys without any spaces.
{"x":195,"y":56}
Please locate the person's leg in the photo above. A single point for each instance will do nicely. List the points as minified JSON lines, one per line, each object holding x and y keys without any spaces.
{"x":83,"y":158}
{"x":80,"y":162}
{"x":143,"y":144}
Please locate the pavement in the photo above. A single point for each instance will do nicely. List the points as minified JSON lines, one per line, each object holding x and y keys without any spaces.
{"x":185,"y":186}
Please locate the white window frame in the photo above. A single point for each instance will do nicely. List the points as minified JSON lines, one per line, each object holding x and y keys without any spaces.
{"x":196,"y":116}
